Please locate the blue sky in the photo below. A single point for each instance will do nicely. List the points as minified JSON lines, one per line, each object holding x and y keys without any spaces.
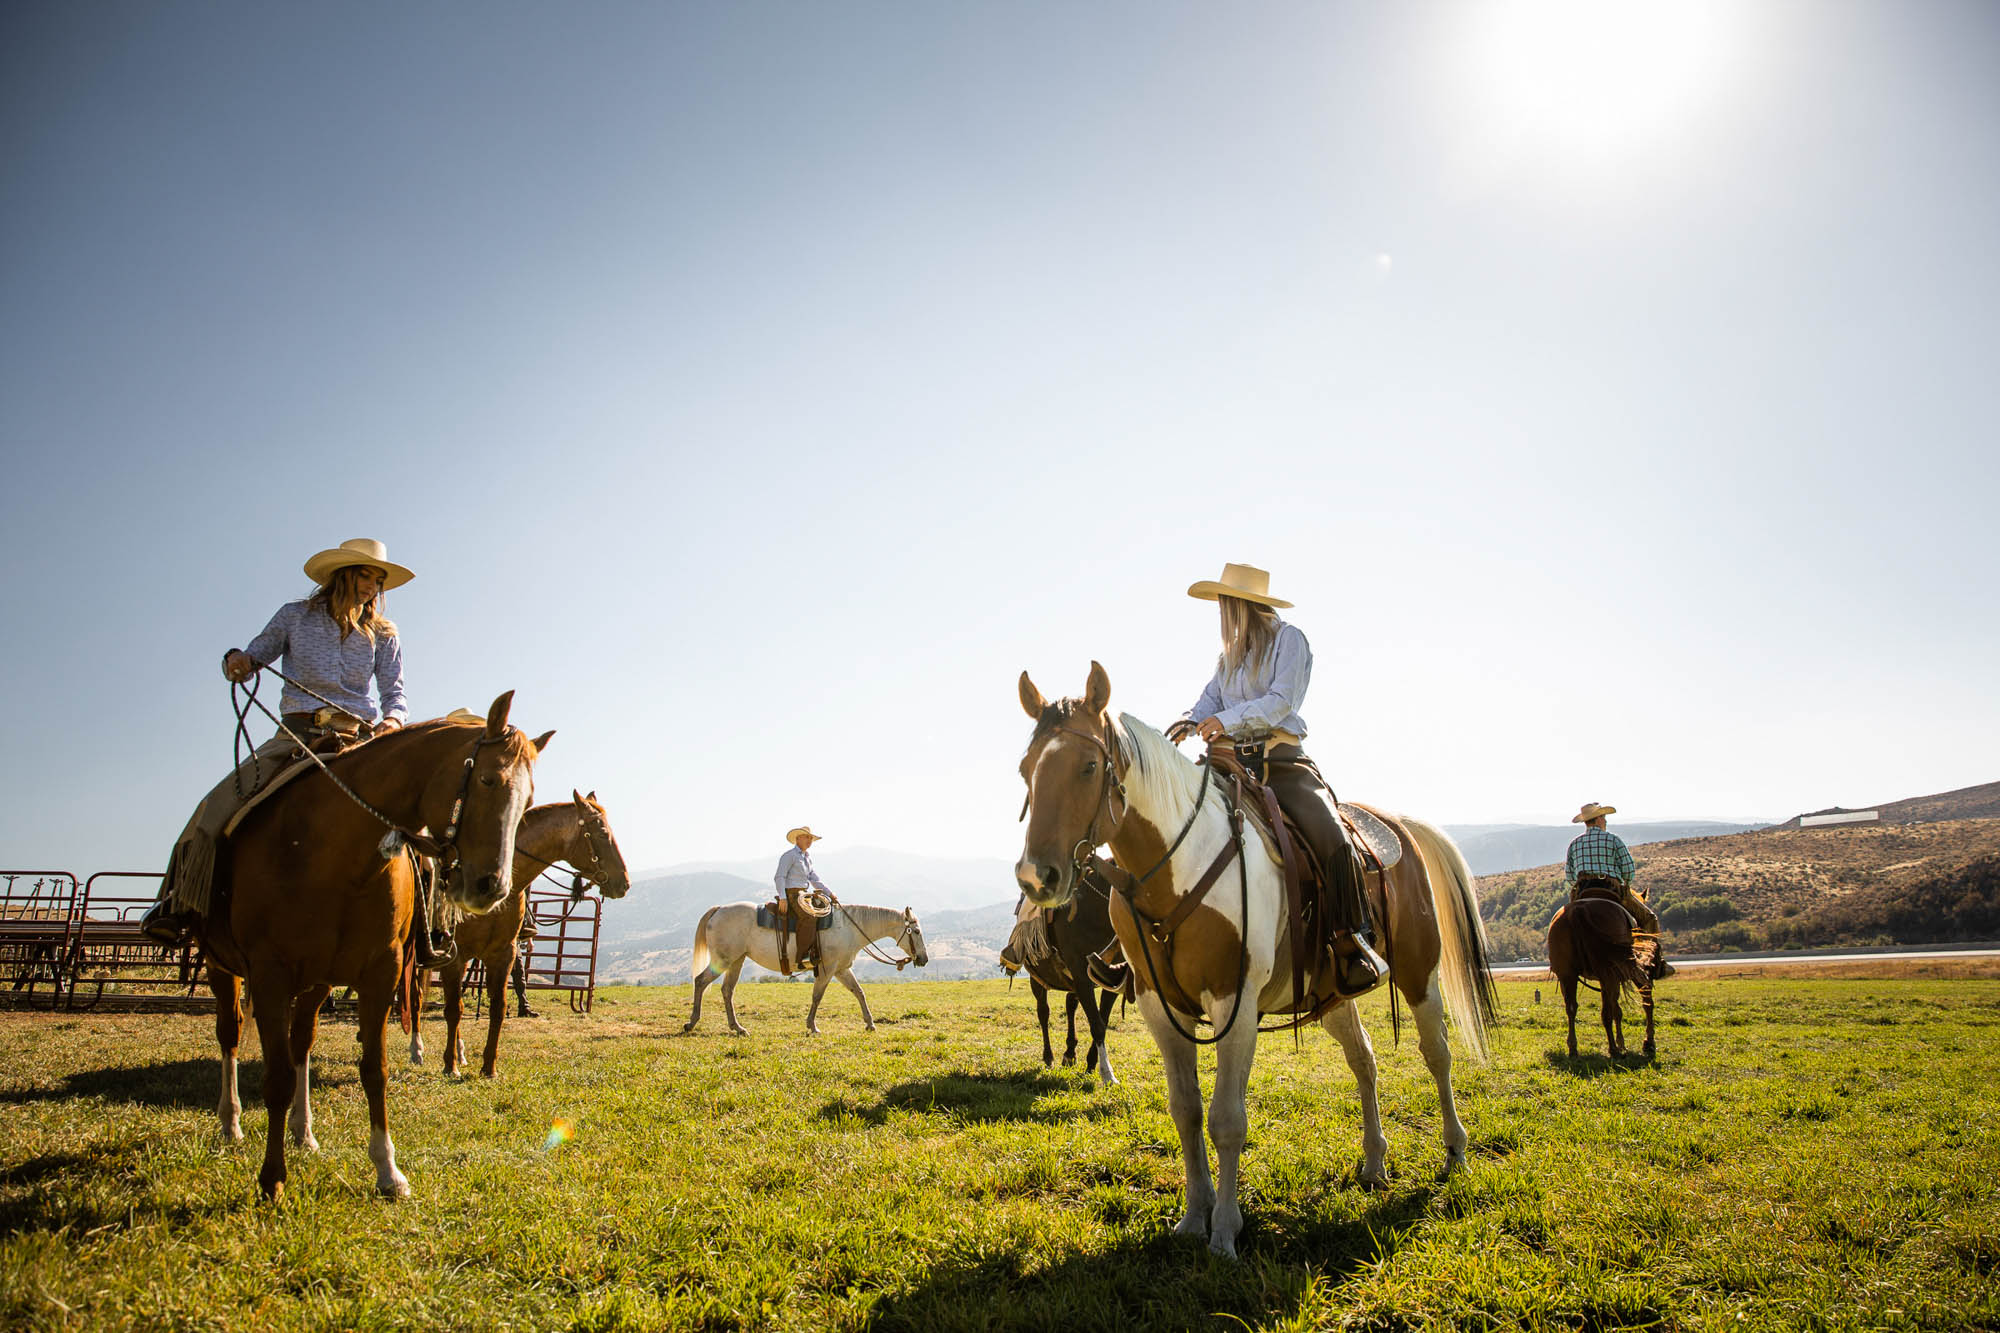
{"x":758,"y":389}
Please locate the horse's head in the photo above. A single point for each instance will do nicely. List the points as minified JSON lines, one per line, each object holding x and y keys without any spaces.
{"x":484,"y":792}
{"x":1075,"y":792}
{"x":601,"y":862}
{"x":912,"y":939}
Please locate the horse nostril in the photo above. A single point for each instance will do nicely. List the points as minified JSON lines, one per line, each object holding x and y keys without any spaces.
{"x":1049,"y":877}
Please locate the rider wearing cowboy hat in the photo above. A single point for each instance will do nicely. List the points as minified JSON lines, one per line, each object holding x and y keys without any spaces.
{"x":1253,"y":700}
{"x":794,"y":878}
{"x":334,"y":643}
{"x":1598,"y":859}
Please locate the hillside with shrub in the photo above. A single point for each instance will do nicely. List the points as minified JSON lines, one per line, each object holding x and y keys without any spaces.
{"x":1787,"y":888}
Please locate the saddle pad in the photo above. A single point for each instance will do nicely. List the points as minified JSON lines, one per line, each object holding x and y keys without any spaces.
{"x":1377,"y":837}
{"x":766,"y":918}
{"x":298,"y":769}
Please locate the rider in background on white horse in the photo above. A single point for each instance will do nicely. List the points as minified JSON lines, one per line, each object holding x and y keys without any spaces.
{"x":794,"y":878}
{"x":1599,"y":859}
{"x":336,"y":642}
{"x":1253,"y":700}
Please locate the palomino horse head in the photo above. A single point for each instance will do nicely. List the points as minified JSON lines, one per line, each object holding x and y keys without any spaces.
{"x":485,"y":798}
{"x":911,"y":938}
{"x":1075,"y":788}
{"x":603,"y":864}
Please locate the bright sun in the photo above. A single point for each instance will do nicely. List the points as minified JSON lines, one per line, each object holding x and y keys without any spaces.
{"x":1593,"y":79}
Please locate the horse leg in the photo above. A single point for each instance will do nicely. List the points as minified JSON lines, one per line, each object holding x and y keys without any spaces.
{"x":1646,"y":999}
{"x":729,"y":997}
{"x":452,"y":979}
{"x":422,"y":989}
{"x":848,"y":979}
{"x":305,"y":1028}
{"x":1229,"y":1121}
{"x":228,"y":1035}
{"x":1608,"y":1012}
{"x":701,"y":983}
{"x":1098,"y":1015}
{"x":377,"y":985}
{"x":820,"y":979}
{"x":1177,"y":1058}
{"x":1345,"y":1024}
{"x":1042,"y":1016}
{"x":272,"y":998}
{"x":496,"y":1012}
{"x":1568,"y":984}
{"x":1436,"y":1047}
{"x":1069,"y":1017}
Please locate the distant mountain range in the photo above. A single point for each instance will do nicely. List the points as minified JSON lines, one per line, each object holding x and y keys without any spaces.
{"x":966,"y":905}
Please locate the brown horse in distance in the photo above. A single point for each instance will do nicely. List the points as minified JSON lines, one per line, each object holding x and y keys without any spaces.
{"x":1592,"y":937}
{"x":314,"y":900}
{"x":573,"y":831}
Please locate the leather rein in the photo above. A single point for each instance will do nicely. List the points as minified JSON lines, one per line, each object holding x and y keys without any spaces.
{"x":1162,"y":929}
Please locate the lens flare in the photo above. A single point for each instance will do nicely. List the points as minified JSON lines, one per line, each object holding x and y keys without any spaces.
{"x":560,"y":1132}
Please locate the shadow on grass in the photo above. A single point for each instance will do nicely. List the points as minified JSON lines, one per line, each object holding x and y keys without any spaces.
{"x":1590,"y":1065}
{"x":170,"y":1085}
{"x":978,"y":1098}
{"x":1160,"y":1281}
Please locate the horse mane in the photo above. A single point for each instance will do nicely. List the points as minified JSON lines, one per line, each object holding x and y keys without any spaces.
{"x":517,"y":746}
{"x":1166,"y":779}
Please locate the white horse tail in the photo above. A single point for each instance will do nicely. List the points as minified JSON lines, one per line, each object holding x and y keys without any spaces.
{"x":700,"y":963}
{"x":1464,"y":964}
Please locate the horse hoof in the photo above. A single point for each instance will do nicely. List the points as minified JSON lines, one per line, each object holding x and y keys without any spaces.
{"x":687,"y":1028}
{"x":305,"y":1143}
{"x":395,"y":1188}
{"x":869,"y":1028}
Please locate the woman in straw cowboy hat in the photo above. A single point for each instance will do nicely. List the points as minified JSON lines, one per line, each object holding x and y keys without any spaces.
{"x":335,"y":644}
{"x":794,"y":877}
{"x":1253,"y":699}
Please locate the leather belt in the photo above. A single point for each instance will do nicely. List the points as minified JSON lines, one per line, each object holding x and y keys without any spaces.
{"x":325,"y":720}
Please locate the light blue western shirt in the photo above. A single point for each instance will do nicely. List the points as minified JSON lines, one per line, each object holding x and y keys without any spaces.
{"x":314,"y":654}
{"x":1259,"y":697}
{"x":795,"y":871}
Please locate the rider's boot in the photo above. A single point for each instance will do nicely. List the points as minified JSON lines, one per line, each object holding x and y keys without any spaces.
{"x":1357,"y":968}
{"x":167,"y":927}
{"x":1108,"y":969}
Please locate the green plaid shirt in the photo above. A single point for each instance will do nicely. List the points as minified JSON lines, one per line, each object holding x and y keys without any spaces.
{"x":1600,"y":852}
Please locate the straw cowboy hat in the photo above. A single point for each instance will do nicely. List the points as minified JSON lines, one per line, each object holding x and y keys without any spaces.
{"x":1246,"y":581}
{"x":800,"y":832}
{"x":360,"y":551}
{"x":1591,"y":810}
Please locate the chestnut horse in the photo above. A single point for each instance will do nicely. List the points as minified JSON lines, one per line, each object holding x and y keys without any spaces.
{"x":316,"y":898}
{"x":573,"y":831}
{"x":1094,"y":779}
{"x":1592,"y":937}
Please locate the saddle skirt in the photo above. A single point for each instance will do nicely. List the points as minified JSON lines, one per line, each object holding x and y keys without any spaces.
{"x":1373,"y":837}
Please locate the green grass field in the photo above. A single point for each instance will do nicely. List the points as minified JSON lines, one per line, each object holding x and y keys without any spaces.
{"x":1805,"y":1154}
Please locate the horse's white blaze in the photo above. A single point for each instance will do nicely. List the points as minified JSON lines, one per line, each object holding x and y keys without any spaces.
{"x":229,"y":1109}
{"x":383,"y":1153}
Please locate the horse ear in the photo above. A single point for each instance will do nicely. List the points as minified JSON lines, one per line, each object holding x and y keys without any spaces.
{"x":574,"y":798}
{"x":1097,"y":692}
{"x":1032,"y":702}
{"x":592,"y":798}
{"x":542,"y":741}
{"x":496,"y":716}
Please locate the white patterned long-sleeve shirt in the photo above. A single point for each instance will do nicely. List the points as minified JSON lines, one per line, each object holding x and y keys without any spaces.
{"x":313,"y":653}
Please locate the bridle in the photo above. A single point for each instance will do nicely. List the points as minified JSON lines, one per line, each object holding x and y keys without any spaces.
{"x":1113,"y":784}
{"x":899,"y":940}
{"x":444,"y":850}
{"x":597,"y":846}
{"x":1161,"y":930}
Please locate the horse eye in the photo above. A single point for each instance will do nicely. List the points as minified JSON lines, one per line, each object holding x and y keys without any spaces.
{"x":1089,"y":768}
{"x":488,"y":780}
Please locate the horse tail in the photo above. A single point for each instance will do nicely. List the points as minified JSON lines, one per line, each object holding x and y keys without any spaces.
{"x":1464,"y":966}
{"x":700,"y":963}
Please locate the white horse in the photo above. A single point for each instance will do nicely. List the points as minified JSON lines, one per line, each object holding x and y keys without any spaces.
{"x":1097,"y":779}
{"x":729,"y":934}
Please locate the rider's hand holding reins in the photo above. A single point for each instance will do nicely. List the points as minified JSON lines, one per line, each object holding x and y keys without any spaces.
{"x":238,"y":665}
{"x":1211,"y":729}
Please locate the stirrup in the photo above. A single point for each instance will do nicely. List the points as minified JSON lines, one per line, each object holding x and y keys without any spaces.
{"x":1105,"y":974}
{"x":1352,"y":960}
{"x":166,"y":927}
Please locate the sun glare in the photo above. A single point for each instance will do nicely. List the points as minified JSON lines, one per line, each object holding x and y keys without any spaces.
{"x":1593,"y":79}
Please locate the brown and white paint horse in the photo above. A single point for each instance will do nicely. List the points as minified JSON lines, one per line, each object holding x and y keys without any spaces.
{"x":1097,"y":779}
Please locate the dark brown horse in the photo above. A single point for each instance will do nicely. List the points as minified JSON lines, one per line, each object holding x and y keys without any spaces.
{"x":1592,"y":937}
{"x":316,"y":897}
{"x":1055,"y":954}
{"x":573,"y":831}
